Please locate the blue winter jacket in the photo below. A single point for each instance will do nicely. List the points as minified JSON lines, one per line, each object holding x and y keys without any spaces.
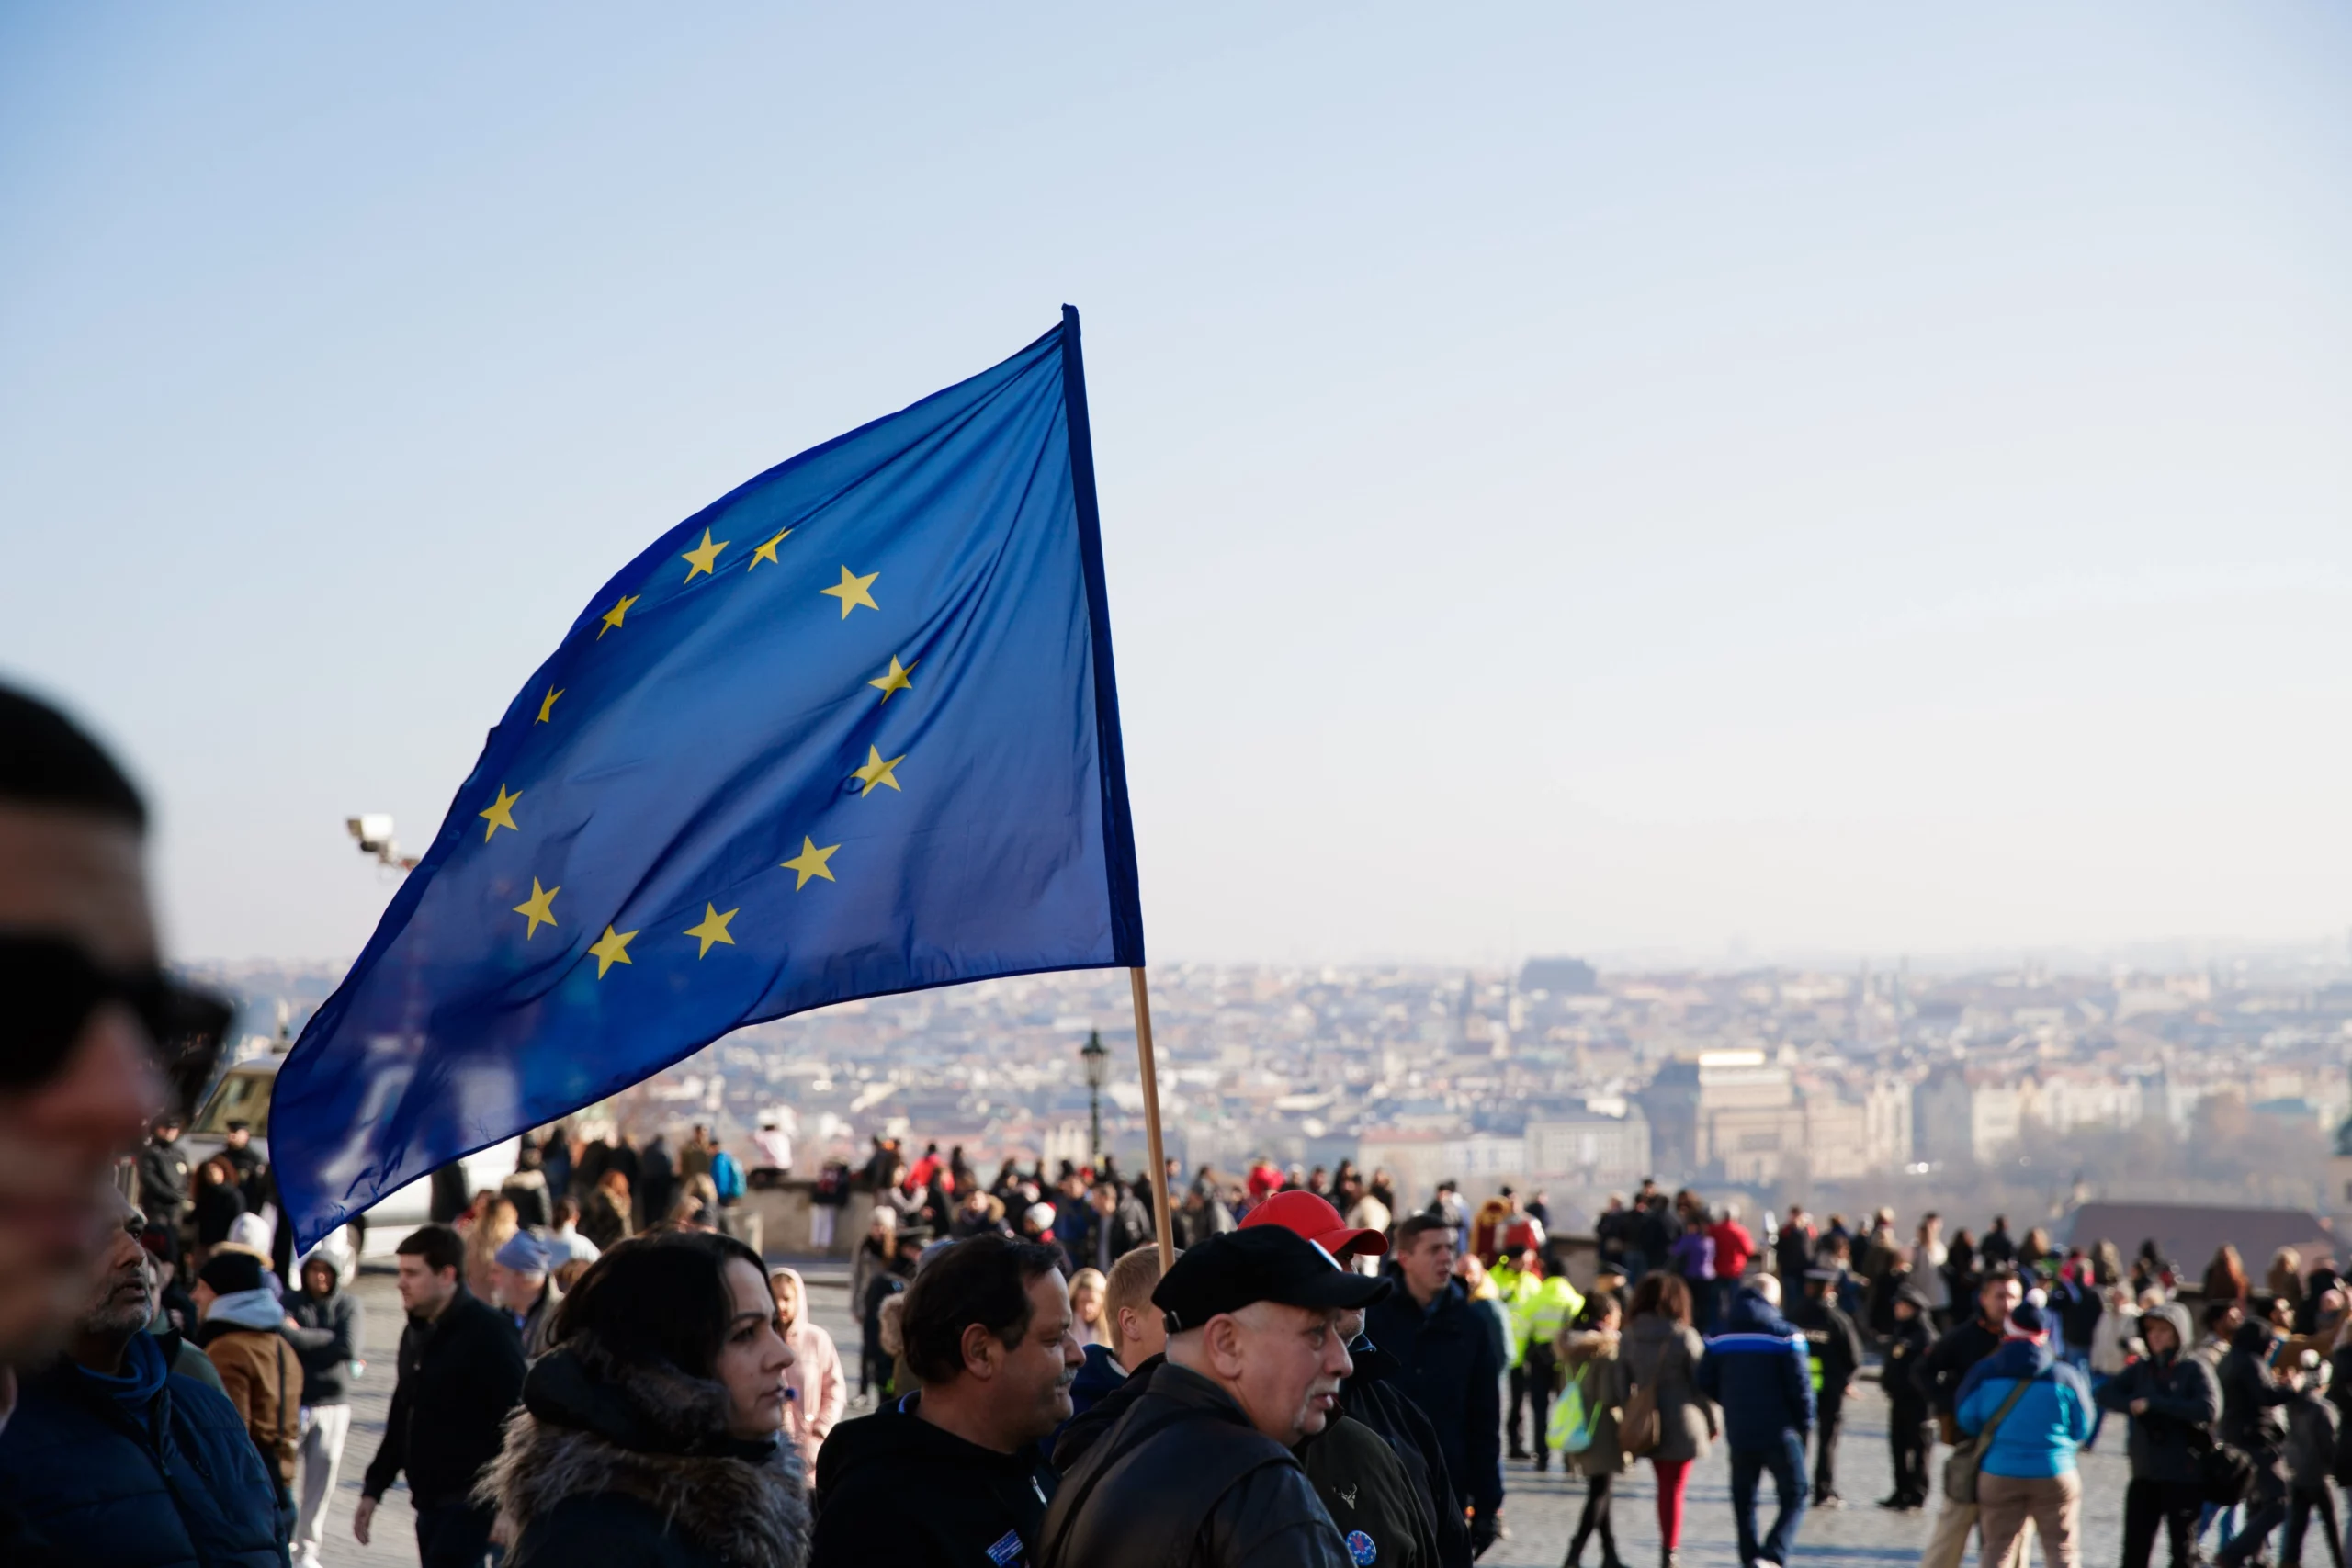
{"x":2040,"y":1436}
{"x":1758,"y":1373}
{"x":149,"y":1469}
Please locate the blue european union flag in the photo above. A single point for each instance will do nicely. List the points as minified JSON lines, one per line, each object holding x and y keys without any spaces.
{"x":849,"y":730}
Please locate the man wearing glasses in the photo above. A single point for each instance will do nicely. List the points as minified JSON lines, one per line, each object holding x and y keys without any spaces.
{"x":95,"y":1040}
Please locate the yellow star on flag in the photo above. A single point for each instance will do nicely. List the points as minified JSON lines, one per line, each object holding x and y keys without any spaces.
{"x":851,"y":591}
{"x":500,"y":813}
{"x":767,"y":552}
{"x":538,"y":908}
{"x":610,"y":949}
{"x":877,"y":772}
{"x":895,"y":680}
{"x":703,"y":556}
{"x":811,"y":861}
{"x":712,"y":929}
{"x":546,"y":703}
{"x":613,"y":617}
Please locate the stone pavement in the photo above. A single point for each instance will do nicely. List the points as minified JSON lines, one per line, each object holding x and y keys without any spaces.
{"x":1540,"y":1511}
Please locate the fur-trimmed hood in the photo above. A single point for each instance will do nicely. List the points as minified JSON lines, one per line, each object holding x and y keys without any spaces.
{"x":590,"y":1426}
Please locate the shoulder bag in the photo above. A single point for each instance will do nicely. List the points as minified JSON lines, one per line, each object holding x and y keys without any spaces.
{"x":1959,"y":1470}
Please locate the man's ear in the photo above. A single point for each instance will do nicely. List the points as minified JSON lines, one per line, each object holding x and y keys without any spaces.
{"x":983,"y":1352}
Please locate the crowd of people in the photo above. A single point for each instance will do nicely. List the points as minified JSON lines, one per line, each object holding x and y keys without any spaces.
{"x":593,"y":1369}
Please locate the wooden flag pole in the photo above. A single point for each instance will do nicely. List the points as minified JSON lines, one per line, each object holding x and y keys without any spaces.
{"x":1160,"y":1219}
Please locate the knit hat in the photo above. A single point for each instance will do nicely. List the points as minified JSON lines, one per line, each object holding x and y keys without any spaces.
{"x":524,"y":1253}
{"x":2029,"y":1321}
{"x":230,"y":1272}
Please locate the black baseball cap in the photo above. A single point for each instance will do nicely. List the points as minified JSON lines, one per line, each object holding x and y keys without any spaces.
{"x":1261,"y":1263}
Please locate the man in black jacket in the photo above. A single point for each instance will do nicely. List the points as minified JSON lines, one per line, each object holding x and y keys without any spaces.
{"x":1835,"y":1347}
{"x":1907,"y":1431}
{"x":2254,"y":1422}
{"x":1449,"y":1366}
{"x":1938,"y":1377}
{"x":460,"y":1373}
{"x":1199,"y":1470}
{"x":2172,"y":1400}
{"x":329,"y":1326}
{"x":949,"y":1475}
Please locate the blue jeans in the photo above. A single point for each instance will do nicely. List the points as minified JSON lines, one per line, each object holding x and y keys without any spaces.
{"x":1786,"y":1462}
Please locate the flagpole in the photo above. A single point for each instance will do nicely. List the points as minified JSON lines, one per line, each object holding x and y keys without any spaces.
{"x":1159,"y":1222}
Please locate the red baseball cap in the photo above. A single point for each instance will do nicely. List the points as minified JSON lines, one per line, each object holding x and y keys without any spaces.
{"x":1316,"y":1221}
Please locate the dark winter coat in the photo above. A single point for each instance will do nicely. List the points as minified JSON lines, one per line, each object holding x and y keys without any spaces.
{"x":458,"y":1377}
{"x":1183,"y":1464}
{"x":629,"y":1467}
{"x":163,"y":1181}
{"x":1098,"y":1377}
{"x":1759,"y":1374}
{"x":148,"y":1469}
{"x":1905,"y":1348}
{"x":1447,"y":1365}
{"x":1832,"y":1341}
{"x":1371,"y":1500}
{"x":2251,"y":1398}
{"x":1939,"y":1371}
{"x":1370,"y":1395}
{"x":2183,"y":1402}
{"x":1125,"y":1228}
{"x":893,"y":1491}
{"x":2311,"y":1440}
{"x":334,"y":1327}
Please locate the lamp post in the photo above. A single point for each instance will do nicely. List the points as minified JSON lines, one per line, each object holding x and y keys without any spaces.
{"x":1097,"y":1057}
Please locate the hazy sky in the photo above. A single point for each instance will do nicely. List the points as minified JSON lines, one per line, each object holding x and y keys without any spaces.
{"x":1836,"y":478}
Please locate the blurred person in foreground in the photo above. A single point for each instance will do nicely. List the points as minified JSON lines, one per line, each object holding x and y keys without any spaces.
{"x":1201,"y":1468}
{"x":326,"y":1325}
{"x":460,"y":1373}
{"x":650,"y":1432}
{"x":949,"y":1474}
{"x":97,"y":1032}
{"x":113,"y":1459}
{"x":816,"y":1393}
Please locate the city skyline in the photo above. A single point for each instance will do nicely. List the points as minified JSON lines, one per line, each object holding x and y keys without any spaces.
{"x":1841,"y":482}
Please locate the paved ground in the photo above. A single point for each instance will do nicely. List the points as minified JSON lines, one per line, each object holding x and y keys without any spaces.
{"x":1541,"y":1511}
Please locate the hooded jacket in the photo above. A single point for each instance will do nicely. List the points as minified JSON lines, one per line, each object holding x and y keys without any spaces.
{"x":1183,"y":1479}
{"x":1760,"y":1374}
{"x":2183,"y":1399}
{"x":1450,"y":1365}
{"x":819,"y":1394}
{"x":147,"y":1469}
{"x":629,"y":1466}
{"x":2039,"y":1436}
{"x":893,"y":1491}
{"x":261,"y":1373}
{"x":334,"y":1327}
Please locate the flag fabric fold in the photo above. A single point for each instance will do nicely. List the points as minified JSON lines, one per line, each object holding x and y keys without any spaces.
{"x":851,"y":729}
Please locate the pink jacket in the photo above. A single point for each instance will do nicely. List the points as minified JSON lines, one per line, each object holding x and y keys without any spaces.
{"x":819,"y":1394}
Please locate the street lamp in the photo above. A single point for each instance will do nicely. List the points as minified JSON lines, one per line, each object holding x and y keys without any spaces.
{"x":1097,"y":1057}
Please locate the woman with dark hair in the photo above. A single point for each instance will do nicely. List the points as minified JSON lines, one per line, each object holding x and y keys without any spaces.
{"x":1661,"y":1352}
{"x":649,"y":1434}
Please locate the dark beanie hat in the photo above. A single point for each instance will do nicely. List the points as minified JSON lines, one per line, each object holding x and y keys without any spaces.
{"x":228,"y":1273}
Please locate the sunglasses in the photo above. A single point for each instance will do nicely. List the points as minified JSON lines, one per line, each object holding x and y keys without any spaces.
{"x":49,"y":988}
